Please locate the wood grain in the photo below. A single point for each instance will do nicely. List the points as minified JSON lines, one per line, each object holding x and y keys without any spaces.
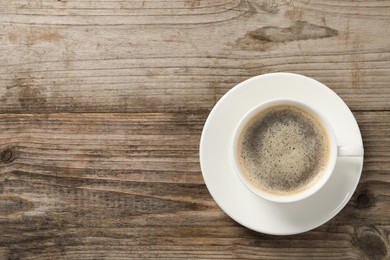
{"x":102,"y":104}
{"x":129,"y":185}
{"x":182,"y":56}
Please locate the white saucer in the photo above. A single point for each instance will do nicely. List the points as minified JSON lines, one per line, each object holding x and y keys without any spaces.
{"x":241,"y":204}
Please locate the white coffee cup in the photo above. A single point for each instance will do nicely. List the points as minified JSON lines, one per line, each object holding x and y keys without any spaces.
{"x":335,"y":151}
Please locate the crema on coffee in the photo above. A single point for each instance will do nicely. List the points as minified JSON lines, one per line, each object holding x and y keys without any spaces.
{"x":283,"y":150}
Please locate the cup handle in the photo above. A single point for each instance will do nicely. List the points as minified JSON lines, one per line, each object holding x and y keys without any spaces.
{"x":350,"y":151}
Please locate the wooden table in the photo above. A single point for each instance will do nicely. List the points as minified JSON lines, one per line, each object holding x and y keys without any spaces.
{"x":102,"y":105}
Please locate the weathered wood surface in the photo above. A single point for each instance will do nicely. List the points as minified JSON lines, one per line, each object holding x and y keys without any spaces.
{"x":102,"y":104}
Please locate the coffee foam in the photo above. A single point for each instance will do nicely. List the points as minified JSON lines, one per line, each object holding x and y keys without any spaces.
{"x":284,"y":150}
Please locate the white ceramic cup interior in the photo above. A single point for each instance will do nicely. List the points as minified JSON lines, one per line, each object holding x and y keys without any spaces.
{"x":335,"y":151}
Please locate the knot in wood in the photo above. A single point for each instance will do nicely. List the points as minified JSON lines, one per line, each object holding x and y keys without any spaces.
{"x":364,"y":199}
{"x":7,"y":155}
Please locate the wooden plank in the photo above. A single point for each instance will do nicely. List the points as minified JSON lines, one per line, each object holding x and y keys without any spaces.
{"x":129,"y":185}
{"x":182,"y":56}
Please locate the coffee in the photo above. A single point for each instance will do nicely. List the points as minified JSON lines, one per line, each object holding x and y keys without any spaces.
{"x":283,"y":150}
